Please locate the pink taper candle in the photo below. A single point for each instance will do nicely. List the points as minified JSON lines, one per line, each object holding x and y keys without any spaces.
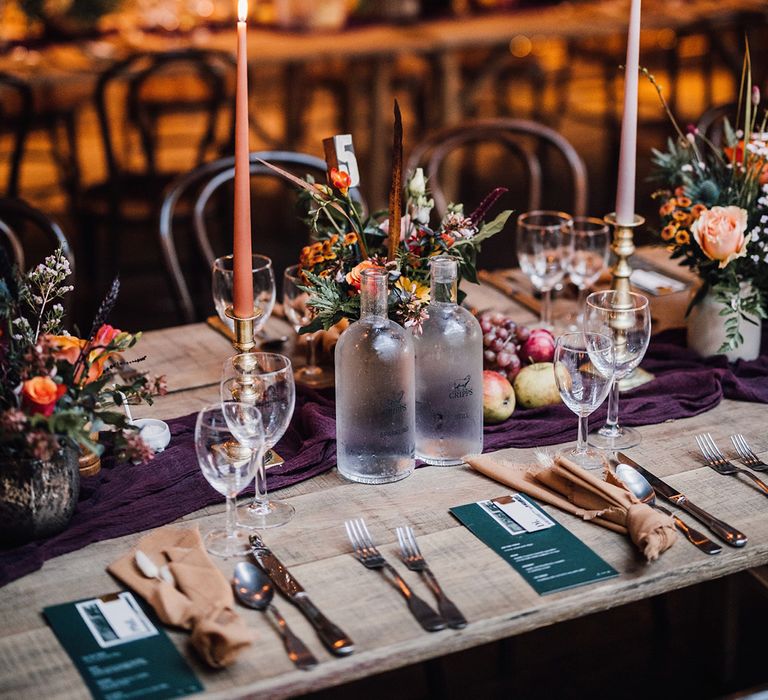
{"x":243,"y":259}
{"x":625,"y":195}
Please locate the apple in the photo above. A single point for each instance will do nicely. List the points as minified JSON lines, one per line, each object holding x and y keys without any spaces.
{"x":539,"y":347}
{"x":498,"y":397}
{"x":535,"y":386}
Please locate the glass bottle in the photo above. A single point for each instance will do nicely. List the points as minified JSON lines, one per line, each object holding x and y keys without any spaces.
{"x":375,"y":403}
{"x":449,"y":374}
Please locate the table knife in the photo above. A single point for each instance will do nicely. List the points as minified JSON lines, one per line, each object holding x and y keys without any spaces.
{"x":728,"y":534}
{"x":332,"y":637}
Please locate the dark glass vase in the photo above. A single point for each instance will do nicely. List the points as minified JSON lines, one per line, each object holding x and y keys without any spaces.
{"x":37,"y":497}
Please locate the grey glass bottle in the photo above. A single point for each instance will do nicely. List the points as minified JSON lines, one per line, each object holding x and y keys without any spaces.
{"x":375,"y":401}
{"x":449,"y":374}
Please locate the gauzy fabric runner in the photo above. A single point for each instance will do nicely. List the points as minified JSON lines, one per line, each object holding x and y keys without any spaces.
{"x":123,"y":499}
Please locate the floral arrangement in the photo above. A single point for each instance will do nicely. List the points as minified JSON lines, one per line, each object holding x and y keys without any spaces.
{"x":57,"y":389}
{"x":347,"y":243}
{"x":714,"y":210}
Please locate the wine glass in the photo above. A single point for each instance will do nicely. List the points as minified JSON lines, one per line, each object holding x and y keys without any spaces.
{"x":543,"y":250}
{"x":626,"y":318}
{"x":264,"y":380}
{"x":590,"y":240}
{"x":584,"y":365}
{"x":299,"y":314}
{"x":227,"y":468}
{"x":263,"y":289}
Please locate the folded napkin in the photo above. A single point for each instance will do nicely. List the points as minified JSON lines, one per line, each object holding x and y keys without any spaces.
{"x":565,"y":485}
{"x":201,"y":600}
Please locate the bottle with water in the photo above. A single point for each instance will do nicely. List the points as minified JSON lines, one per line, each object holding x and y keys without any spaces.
{"x":375,"y":402}
{"x":449,"y":374}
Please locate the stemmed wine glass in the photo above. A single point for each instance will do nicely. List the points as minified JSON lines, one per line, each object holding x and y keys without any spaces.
{"x":584,"y":365}
{"x":299,"y":314}
{"x":543,"y":249}
{"x":227,"y":468}
{"x":263,"y":289}
{"x":626,"y":318}
{"x":590,"y":240}
{"x":264,"y":380}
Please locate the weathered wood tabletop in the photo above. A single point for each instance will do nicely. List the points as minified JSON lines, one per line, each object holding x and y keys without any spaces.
{"x":494,"y":598}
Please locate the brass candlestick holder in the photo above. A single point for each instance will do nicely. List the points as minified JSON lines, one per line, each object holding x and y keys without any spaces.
{"x":247,"y":389}
{"x":623,"y":247}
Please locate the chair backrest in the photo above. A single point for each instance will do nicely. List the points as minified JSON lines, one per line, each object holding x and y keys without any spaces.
{"x":16,"y":104}
{"x":712,"y":123}
{"x":136,"y":96}
{"x":515,"y":153}
{"x":19,"y":225}
{"x":204,"y":189}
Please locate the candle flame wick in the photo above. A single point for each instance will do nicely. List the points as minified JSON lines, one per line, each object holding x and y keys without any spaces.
{"x":242,"y":10}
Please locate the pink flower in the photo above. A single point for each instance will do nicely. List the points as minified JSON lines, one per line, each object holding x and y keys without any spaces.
{"x":719,"y":231}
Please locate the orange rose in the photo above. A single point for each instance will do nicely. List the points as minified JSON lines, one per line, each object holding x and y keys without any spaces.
{"x":341,"y":180}
{"x":66,"y":347}
{"x":735,"y":154}
{"x":40,"y":394}
{"x":354,"y":276}
{"x":719,"y":231}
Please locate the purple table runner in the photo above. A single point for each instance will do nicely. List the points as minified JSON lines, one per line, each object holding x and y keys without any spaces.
{"x":123,"y":499}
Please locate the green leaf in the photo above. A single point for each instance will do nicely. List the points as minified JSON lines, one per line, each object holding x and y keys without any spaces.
{"x":491,"y":228}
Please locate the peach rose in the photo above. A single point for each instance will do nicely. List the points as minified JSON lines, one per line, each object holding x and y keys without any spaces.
{"x":40,"y":394}
{"x":354,"y":276}
{"x":719,"y":231}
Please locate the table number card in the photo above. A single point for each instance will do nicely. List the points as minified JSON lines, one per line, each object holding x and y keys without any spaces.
{"x":119,"y":650}
{"x":541,"y":550}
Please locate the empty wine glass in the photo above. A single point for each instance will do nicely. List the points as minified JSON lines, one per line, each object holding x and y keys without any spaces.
{"x":626,"y":318}
{"x":299,"y":314}
{"x":227,"y":468}
{"x":264,"y":380}
{"x":584,"y":365}
{"x":543,"y":249}
{"x":263,"y":289}
{"x":590,"y":241}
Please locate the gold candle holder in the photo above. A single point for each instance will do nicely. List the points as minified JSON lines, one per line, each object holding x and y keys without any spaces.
{"x":623,"y":247}
{"x":247,"y":389}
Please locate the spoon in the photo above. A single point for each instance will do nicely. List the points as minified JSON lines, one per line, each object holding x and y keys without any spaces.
{"x":640,"y":488}
{"x":254,"y":590}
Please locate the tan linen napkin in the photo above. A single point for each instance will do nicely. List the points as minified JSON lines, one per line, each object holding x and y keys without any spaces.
{"x":202,"y":599}
{"x":565,"y":485}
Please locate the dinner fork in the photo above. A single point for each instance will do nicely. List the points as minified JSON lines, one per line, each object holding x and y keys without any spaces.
{"x":370,"y":557}
{"x":747,"y":454}
{"x":717,"y":461}
{"x":414,"y":560}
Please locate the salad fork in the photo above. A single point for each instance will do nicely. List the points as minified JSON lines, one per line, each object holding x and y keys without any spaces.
{"x":370,"y":557}
{"x":717,"y":461}
{"x":414,"y":560}
{"x":746,"y":453}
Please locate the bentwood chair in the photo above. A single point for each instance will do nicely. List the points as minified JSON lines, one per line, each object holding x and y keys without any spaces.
{"x":712,"y":123}
{"x":159,"y":114}
{"x":26,"y":232}
{"x":208,"y":192}
{"x":15,"y":114}
{"x":538,"y":165}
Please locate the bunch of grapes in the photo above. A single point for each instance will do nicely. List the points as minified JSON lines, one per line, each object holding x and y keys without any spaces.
{"x":502,"y":340}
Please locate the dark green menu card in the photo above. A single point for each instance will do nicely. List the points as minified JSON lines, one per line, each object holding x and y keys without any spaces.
{"x":541,"y":550}
{"x":119,"y":649}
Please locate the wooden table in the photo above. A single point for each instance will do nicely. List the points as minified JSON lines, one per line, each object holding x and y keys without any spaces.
{"x":494,"y":598}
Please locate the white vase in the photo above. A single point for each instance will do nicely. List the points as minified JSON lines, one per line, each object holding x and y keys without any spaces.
{"x":706,"y":331}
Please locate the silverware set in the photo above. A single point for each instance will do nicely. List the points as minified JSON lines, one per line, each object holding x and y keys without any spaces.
{"x":715,"y":459}
{"x":366,"y":552}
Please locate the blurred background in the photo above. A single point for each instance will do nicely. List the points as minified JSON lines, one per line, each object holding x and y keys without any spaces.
{"x":113,"y":99}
